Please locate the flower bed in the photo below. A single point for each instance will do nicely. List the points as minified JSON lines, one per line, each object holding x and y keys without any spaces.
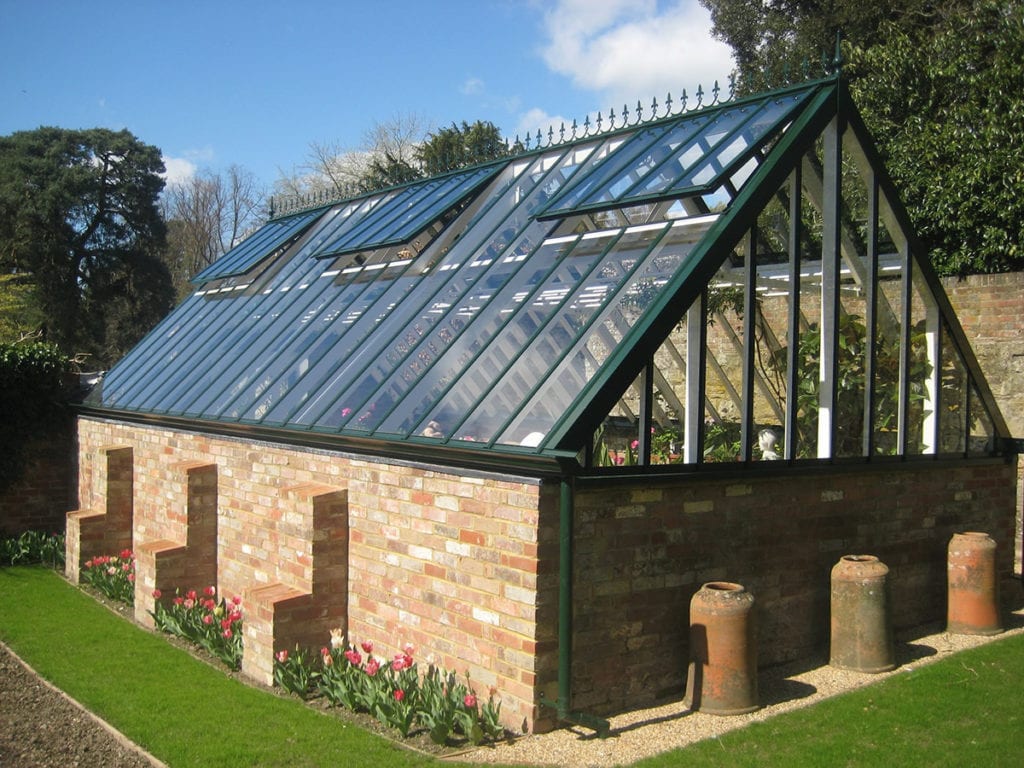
{"x":216,"y":627}
{"x":392,"y":691}
{"x":112,"y":575}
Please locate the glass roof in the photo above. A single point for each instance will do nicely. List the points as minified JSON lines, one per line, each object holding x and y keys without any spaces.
{"x":399,"y":215}
{"x":258,"y":246}
{"x":689,"y":155}
{"x":485,"y":310}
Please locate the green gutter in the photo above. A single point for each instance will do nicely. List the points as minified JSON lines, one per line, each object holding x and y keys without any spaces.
{"x":457,"y":458}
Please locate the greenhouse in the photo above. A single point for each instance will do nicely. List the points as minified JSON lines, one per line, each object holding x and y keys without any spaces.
{"x":517,"y":413}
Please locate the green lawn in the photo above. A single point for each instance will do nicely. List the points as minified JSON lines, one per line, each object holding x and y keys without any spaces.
{"x":967,"y":710}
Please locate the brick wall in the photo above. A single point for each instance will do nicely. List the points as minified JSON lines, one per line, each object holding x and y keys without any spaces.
{"x":46,"y":490}
{"x":642,"y":550}
{"x":991,"y":311}
{"x":446,"y":562}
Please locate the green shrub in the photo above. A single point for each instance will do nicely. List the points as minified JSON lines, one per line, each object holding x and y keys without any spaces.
{"x":32,"y":400}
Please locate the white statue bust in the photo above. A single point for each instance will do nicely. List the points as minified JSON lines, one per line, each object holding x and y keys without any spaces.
{"x":766,"y":440}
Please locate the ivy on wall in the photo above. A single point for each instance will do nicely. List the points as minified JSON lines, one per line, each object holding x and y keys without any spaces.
{"x":33,"y":400}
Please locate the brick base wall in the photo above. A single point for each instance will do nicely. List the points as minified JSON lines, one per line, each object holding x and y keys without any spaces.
{"x":642,"y":550}
{"x":447,"y":562}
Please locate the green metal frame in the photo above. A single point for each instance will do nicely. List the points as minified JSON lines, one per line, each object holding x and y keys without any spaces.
{"x":828,"y":110}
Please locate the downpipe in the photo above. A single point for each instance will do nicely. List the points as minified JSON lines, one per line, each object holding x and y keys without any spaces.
{"x":565,"y":605}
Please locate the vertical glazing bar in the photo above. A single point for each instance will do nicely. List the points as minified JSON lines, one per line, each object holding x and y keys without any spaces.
{"x":696,"y":340}
{"x":931,"y":404}
{"x":968,"y":415}
{"x":903,"y":408}
{"x":747,"y":426}
{"x":793,"y":330}
{"x":646,"y":410}
{"x":871,"y":319}
{"x":830,"y":247}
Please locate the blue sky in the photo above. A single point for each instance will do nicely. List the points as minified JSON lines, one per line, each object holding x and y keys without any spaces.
{"x":256,"y":83}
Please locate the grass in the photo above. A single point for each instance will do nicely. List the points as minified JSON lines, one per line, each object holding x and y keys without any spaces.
{"x":965,"y":710}
{"x":962,"y":711}
{"x":183,"y":711}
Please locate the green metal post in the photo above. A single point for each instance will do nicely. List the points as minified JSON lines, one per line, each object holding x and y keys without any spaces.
{"x":565,"y":605}
{"x":565,"y":526}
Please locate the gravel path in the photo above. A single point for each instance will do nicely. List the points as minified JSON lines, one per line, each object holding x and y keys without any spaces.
{"x":40,"y":727}
{"x":643,"y":733}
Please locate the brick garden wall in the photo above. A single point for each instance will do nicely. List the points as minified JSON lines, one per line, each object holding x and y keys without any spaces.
{"x":643,"y":549}
{"x":46,"y":490}
{"x":446,"y":562}
{"x":991,"y":311}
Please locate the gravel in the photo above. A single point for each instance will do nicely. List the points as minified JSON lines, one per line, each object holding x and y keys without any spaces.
{"x":42,"y":727}
{"x":642,"y":733}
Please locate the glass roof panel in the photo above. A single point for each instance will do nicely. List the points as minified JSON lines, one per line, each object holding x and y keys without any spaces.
{"x":688,"y":154}
{"x":645,"y":259}
{"x":399,"y":215}
{"x":509,"y":232}
{"x":262,"y":243}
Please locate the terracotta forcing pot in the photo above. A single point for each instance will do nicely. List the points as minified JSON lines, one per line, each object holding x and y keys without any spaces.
{"x":722,"y":677}
{"x":861,"y":637}
{"x":973,"y":607}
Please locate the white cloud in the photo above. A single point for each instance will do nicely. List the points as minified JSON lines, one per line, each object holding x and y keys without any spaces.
{"x":537,"y":119}
{"x":179,"y":170}
{"x":472,"y":86}
{"x":624,"y":50}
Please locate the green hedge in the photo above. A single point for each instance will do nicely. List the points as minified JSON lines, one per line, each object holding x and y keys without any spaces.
{"x":33,"y":400}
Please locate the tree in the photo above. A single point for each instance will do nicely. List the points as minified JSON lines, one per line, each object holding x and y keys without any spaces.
{"x":206,"y":216}
{"x":393,"y":152}
{"x":947,"y":107}
{"x":942,"y":91}
{"x":79,"y":217}
{"x":460,"y":146}
{"x":386,"y":153}
{"x":19,"y":315}
{"x":769,"y":36}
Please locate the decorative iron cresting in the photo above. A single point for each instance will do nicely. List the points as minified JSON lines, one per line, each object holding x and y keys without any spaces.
{"x":602,"y":124}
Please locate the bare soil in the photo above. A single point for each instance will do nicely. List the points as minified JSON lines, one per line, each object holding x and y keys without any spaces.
{"x":41,"y":727}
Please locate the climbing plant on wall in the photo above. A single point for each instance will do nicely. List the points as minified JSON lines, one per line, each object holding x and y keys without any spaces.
{"x":32,"y":400}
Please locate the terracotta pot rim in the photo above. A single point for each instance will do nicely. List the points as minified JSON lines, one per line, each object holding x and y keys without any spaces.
{"x":860,"y":558}
{"x":724,"y":586}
